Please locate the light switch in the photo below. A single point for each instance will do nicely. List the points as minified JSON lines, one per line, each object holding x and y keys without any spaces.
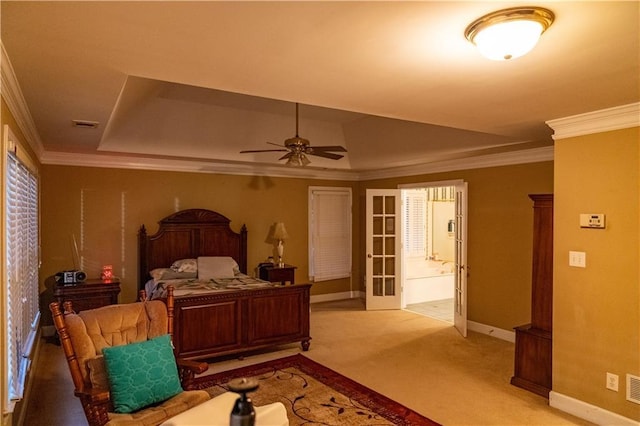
{"x":578,"y":259}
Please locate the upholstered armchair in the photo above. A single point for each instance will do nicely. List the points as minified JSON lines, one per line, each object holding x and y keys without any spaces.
{"x":95,"y":340}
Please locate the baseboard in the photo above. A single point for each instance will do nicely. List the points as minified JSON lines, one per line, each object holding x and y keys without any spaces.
{"x":509,"y":336}
{"x":587,"y":411}
{"x":330,"y":297}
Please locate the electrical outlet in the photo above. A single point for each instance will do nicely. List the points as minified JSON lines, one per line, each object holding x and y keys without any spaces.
{"x":612,"y":382}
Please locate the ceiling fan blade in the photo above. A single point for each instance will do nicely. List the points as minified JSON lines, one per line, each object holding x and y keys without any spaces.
{"x":263,"y":150}
{"x":325,"y":154}
{"x":297,"y":147}
{"x":276,"y":144}
{"x":330,"y":148}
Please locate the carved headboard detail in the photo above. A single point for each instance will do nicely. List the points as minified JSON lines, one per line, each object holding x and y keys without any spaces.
{"x":189,"y":234}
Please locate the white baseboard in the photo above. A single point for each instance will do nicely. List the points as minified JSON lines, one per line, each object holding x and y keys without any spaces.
{"x":509,"y":336}
{"x":335,"y":296}
{"x":589,"y":412}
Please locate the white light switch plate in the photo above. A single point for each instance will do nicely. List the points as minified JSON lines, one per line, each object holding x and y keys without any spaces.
{"x":578,"y":259}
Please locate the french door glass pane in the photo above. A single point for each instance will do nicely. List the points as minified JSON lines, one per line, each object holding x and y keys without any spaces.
{"x":389,"y":286}
{"x":377,"y":287}
{"x":377,"y":205}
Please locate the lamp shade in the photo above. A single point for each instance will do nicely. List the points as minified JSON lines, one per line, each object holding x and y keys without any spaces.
{"x":280,"y":232}
{"x":509,"y":33}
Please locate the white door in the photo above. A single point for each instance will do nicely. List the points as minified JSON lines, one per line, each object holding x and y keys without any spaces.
{"x":383,"y":231}
{"x":460,"y":293}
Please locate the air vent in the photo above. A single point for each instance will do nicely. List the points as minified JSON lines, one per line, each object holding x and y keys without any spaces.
{"x":85,"y":124}
{"x":633,"y":388}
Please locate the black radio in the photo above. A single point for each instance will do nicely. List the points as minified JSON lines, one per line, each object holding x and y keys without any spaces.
{"x":70,"y":277}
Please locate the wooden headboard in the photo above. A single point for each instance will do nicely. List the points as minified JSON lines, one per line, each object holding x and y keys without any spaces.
{"x":189,"y":234}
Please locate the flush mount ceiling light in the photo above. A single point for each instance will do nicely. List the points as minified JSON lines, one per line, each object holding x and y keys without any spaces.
{"x":509,"y":33}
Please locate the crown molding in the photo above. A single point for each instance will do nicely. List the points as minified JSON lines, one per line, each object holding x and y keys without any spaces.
{"x":616,"y":118}
{"x":192,"y":166}
{"x":248,"y":169}
{"x":524,"y":156}
{"x":17,"y":104}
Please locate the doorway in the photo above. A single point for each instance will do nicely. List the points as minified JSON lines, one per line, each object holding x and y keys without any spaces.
{"x":428,"y":254}
{"x":385,"y":247}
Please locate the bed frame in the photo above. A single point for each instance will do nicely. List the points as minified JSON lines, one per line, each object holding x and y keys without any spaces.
{"x":225,"y":322}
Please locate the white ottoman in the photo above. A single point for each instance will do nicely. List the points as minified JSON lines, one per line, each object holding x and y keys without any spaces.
{"x":216,"y":412}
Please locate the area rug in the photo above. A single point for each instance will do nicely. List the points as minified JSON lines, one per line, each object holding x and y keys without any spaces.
{"x":315,"y":395}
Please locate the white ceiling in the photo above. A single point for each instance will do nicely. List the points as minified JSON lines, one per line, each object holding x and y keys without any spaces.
{"x":396,"y":83}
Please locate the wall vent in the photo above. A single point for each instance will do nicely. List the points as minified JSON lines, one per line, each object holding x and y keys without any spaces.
{"x":633,"y":388}
{"x":85,"y":124}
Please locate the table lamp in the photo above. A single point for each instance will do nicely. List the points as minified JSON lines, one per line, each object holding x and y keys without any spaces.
{"x":280,"y":234}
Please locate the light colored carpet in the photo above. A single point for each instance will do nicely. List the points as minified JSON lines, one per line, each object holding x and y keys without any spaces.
{"x":422,"y":363}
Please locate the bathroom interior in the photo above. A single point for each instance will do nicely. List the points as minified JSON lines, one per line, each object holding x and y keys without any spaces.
{"x":429,"y":251}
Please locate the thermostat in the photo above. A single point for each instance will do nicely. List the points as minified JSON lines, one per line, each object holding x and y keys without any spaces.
{"x":592,"y":220}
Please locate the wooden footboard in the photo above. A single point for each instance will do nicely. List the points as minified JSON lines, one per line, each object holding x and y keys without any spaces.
{"x":235,"y":322}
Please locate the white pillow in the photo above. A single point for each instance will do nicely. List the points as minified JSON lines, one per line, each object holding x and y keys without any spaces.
{"x":216,"y":267}
{"x":185,"y":265}
{"x":169,"y":274}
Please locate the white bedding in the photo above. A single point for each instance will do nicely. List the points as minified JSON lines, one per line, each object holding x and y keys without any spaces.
{"x":185,"y":287}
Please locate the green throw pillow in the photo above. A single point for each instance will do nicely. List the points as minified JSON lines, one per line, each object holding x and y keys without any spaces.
{"x":141,"y":373}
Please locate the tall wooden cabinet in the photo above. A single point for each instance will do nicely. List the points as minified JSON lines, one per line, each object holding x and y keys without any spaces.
{"x":533,"y":340}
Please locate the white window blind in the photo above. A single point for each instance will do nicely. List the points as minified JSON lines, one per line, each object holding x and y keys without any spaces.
{"x":22,"y":238}
{"x":329,"y":233}
{"x":415,"y":223}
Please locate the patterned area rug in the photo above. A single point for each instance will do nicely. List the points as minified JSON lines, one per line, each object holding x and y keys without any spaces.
{"x":315,"y":395}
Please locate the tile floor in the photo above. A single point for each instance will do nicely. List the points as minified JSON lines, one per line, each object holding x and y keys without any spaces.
{"x":438,"y":309}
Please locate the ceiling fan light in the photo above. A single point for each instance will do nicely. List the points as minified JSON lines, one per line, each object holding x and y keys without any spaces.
{"x":509,"y":33}
{"x":294,"y":161}
{"x":297,"y":159}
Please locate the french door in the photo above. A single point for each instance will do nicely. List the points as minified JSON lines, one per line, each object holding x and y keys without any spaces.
{"x":383,"y":279}
{"x":461,"y":267}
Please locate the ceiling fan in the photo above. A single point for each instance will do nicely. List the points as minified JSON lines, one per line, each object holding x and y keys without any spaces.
{"x":298,"y":148}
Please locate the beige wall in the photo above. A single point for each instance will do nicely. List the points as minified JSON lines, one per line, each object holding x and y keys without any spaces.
{"x":500,"y":232}
{"x":104,"y":208}
{"x":596,"y":326}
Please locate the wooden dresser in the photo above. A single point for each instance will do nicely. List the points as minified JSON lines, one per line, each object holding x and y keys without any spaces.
{"x":533,"y":341}
{"x":90,"y":294}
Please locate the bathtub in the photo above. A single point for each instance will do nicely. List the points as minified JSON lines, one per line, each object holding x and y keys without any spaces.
{"x":427,"y":280}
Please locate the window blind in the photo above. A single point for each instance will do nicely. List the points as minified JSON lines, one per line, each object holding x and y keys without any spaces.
{"x":22,"y":242}
{"x":415,"y":223}
{"x":330,"y":233}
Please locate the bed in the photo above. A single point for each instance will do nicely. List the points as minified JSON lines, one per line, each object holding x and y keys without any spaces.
{"x":220,"y":315}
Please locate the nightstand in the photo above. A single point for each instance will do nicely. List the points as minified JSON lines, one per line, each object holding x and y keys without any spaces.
{"x":277,"y":273}
{"x":89,"y":294}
